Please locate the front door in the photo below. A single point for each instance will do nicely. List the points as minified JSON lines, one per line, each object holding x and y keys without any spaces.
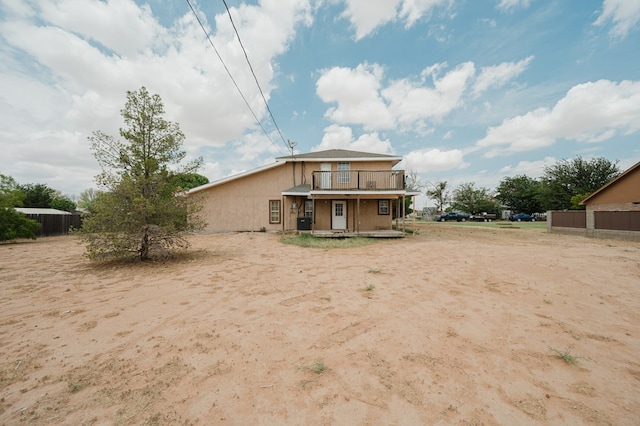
{"x":339,"y":215}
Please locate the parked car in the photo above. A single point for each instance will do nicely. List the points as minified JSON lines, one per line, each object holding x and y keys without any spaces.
{"x":483,"y":217}
{"x":522,"y":217}
{"x":458,"y":217}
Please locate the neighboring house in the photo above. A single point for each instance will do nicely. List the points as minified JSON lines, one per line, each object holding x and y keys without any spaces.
{"x":613,"y":211}
{"x":332,"y":192}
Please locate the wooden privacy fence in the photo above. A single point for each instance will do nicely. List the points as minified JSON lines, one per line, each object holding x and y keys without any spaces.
{"x":620,"y":224}
{"x":55,"y":224}
{"x":569,"y":219}
{"x":617,"y":220}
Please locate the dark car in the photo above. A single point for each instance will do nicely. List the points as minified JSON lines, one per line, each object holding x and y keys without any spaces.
{"x":521,"y":217}
{"x":458,"y":217}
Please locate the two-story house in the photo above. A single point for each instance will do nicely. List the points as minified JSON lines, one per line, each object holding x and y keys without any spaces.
{"x":331,"y":193}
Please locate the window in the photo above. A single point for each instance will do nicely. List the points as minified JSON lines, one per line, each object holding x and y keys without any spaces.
{"x":383,"y":206}
{"x":308,"y":208}
{"x":344,"y":176}
{"x":274,"y":211}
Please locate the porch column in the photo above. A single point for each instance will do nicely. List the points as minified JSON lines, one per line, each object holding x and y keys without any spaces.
{"x":358,"y":215}
{"x":397,"y":212}
{"x":404,"y":215}
{"x":313,"y":214}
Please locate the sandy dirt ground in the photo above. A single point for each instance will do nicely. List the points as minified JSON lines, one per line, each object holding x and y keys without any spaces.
{"x":461,"y":326}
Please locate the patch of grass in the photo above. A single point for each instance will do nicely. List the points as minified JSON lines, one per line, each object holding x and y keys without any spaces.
{"x":565,"y":355}
{"x":370,"y":287}
{"x":374,"y":271}
{"x":73,"y":388}
{"x":317,"y":367}
{"x":308,"y":240}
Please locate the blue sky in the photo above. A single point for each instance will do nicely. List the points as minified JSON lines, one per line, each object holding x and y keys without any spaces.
{"x":464,"y":90}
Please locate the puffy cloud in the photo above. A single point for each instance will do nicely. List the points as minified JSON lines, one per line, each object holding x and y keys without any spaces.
{"x":434,"y":160}
{"x":532,"y":169}
{"x":410,"y":102}
{"x":83,"y":55}
{"x":367,"y":15}
{"x":498,"y":75}
{"x":340,"y":137}
{"x":623,"y":14}
{"x":590,"y":112}
{"x":362,"y":100}
{"x":356,"y":91}
{"x":119,"y":25}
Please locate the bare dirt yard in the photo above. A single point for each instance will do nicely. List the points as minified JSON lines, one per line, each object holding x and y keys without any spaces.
{"x":456,"y":325}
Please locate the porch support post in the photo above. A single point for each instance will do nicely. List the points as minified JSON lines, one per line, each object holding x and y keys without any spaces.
{"x":284,"y":213}
{"x":404,"y":215}
{"x":397,"y":211}
{"x":358,"y":215}
{"x":313,"y":214}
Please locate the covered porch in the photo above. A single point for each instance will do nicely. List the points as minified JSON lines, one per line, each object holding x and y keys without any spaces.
{"x":373,"y":212}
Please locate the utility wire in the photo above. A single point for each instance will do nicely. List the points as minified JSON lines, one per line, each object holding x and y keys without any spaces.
{"x":246,"y":56}
{"x":231,"y":76}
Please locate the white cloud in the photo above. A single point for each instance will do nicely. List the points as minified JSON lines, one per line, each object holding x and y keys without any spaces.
{"x":367,"y":15}
{"x":624,"y":15}
{"x":434,"y":160}
{"x":356,"y":91}
{"x":119,"y":25}
{"x":590,"y":112}
{"x":508,"y":5}
{"x":83,"y":55}
{"x":413,"y":10}
{"x":498,"y":75}
{"x":362,"y":100}
{"x":341,"y":137}
{"x":410,"y":101}
{"x":533,"y":169}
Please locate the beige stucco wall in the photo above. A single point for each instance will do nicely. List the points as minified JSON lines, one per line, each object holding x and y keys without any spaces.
{"x":622,"y":192}
{"x":242,"y":204}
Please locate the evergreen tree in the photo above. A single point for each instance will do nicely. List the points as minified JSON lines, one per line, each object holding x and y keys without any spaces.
{"x":140,"y":213}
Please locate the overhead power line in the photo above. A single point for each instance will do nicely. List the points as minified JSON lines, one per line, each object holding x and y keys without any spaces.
{"x":287,"y":144}
{"x":206,"y":33}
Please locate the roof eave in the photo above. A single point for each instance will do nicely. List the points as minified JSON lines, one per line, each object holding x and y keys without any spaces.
{"x":233,"y":177}
{"x":610,"y":183}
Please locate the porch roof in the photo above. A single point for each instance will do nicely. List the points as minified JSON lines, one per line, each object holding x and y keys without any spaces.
{"x":298,"y":190}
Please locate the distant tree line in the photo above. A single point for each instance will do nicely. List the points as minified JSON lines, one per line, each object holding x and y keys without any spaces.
{"x":562,"y":186}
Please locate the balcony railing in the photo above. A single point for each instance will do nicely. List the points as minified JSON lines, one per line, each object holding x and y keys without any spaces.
{"x":358,"y":180}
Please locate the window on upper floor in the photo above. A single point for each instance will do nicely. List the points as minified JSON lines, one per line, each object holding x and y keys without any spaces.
{"x":344,"y":176}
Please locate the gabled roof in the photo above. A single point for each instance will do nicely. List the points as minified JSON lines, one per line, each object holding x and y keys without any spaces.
{"x":341,"y":154}
{"x":233,"y":177}
{"x":611,"y":183}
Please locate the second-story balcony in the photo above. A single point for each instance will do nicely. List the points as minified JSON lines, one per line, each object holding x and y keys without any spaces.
{"x":358,"y":180}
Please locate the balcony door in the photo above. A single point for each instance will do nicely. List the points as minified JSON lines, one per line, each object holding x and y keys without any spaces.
{"x":325,"y":176}
{"x":338,"y":214}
